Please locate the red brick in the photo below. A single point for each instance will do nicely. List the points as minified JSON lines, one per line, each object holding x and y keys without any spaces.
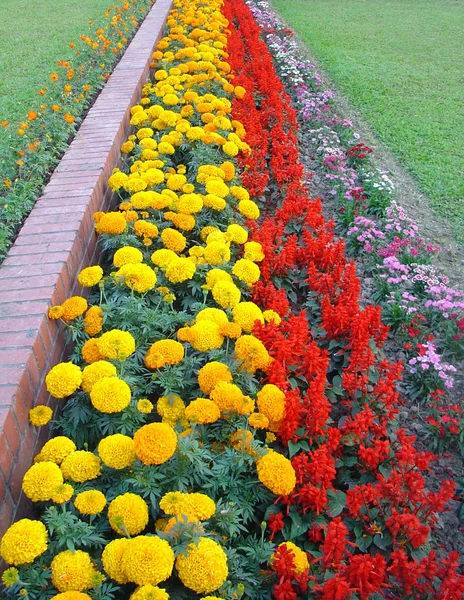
{"x":23,"y":462}
{"x":9,"y":425}
{"x":28,"y":324}
{"x":2,"y":488}
{"x":7,"y":510}
{"x":7,"y":458}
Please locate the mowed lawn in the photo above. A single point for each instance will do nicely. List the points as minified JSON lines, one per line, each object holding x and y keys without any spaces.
{"x":400,"y":63}
{"x":34,"y":35}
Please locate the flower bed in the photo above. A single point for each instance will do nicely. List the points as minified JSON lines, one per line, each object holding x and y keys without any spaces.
{"x":29,"y":150}
{"x":425,"y":314}
{"x":227,"y":397}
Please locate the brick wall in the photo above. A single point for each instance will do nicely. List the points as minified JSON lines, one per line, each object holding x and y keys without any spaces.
{"x":55,"y":243}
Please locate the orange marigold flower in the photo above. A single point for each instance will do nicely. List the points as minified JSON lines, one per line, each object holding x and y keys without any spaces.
{"x":54,"y":77}
{"x":68,"y":118}
{"x":32,"y":115}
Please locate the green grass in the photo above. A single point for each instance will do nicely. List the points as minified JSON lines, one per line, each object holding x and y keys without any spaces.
{"x":34,"y":36}
{"x":400,"y":63}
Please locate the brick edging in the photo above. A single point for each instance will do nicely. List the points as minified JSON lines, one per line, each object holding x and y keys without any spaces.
{"x":56,"y":241}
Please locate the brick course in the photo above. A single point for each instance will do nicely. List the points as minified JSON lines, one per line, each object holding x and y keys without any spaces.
{"x":55,"y":243}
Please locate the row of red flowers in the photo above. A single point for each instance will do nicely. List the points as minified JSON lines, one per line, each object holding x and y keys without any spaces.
{"x":361,"y":497}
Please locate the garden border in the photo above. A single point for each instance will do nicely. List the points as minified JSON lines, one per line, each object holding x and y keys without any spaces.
{"x":56,"y":241}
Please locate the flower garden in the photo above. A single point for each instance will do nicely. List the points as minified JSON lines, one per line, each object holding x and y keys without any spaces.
{"x":228,"y":418}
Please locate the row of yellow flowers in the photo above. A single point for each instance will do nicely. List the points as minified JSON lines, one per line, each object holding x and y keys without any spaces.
{"x":167,"y":460}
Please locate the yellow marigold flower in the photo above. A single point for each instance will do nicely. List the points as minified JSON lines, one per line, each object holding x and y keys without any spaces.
{"x":271,"y":402}
{"x":41,"y":481}
{"x":55,"y":312}
{"x":63,"y":493}
{"x":276,"y":473}
{"x":127,"y":147}
{"x":181,"y":269}
{"x":73,"y":307}
{"x":73,"y":571}
{"x":63,"y":380}
{"x":212,"y":314}
{"x":204,"y":233}
{"x":246,"y":314}
{"x":171,"y":407}
{"x":117,"y":451}
{"x":90,"y":351}
{"x":116,"y":344}
{"x":112,"y":222}
{"x":90,"y":276}
{"x":139,"y":201}
{"x":254,"y":252}
{"x":164,"y":352}
{"x":128,"y":513}
{"x":270,"y":316}
{"x":96,"y":371}
{"x":171,"y":503}
{"x":217,"y":253}
{"x":228,"y":396}
{"x":155,"y":443}
{"x":148,"y":560}
{"x":40,"y":415}
{"x":112,"y":558}
{"x":229,"y":170}
{"x":195,"y":133}
{"x":110,"y":395}
{"x":182,"y":221}
{"x":202,"y":411}
{"x":230,"y":148}
{"x":93,"y":321}
{"x":173,"y":240}
{"x":252,"y":353}
{"x":135,"y":184}
{"x":226,"y":294}
{"x":23,"y":542}
{"x":149,"y":592}
{"x":176,"y":182}
{"x":144,"y":406}
{"x":214,"y":202}
{"x":215,"y":275}
{"x":117,"y":180}
{"x":139,"y":277}
{"x":217,"y":236}
{"x":145,"y":132}
{"x":246,"y":271}
{"x":166,"y":148}
{"x":90,"y":502}
{"x":10,"y":577}
{"x":258,"y":421}
{"x":238,"y":234}
{"x":145,"y":229}
{"x":248,"y":209}
{"x":300,"y":558}
{"x":204,"y":569}
{"x":211,"y":374}
{"x":240,"y":193}
{"x":217,"y":187}
{"x":72,"y":595}
{"x":239,"y":91}
{"x":230,"y":330}
{"x":203,"y":336}
{"x":190,"y":204}
{"x":81,"y":466}
{"x":163,"y":258}
{"x":127,"y":255}
{"x":56,"y":450}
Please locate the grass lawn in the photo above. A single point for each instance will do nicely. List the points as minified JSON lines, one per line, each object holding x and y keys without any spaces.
{"x":34,"y":36}
{"x":400,"y":63}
